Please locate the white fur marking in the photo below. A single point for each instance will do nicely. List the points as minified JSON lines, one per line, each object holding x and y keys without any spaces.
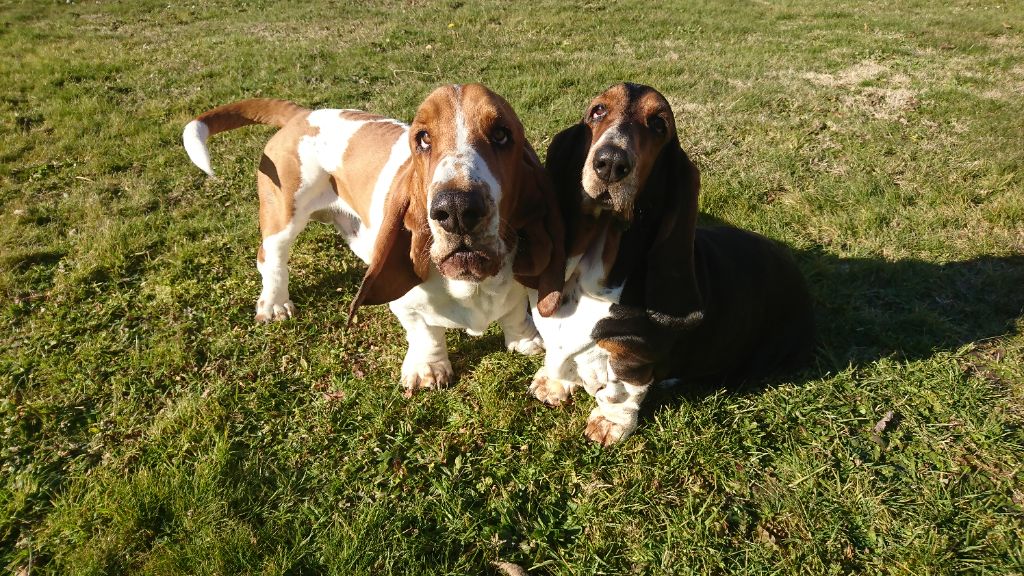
{"x":465,"y":163}
{"x":194,"y":139}
{"x":333,"y":138}
{"x":452,"y":304}
{"x":275,"y":302}
{"x":592,"y":184}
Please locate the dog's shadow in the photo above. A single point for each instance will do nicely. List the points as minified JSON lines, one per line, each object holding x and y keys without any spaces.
{"x":865,"y":309}
{"x":869,"y":308}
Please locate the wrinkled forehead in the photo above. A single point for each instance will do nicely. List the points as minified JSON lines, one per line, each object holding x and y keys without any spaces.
{"x":487,"y":107}
{"x":632,"y":103}
{"x":472,"y":106}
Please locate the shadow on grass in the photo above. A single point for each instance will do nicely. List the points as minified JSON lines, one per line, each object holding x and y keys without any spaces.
{"x":338,"y":282}
{"x":867,"y":309}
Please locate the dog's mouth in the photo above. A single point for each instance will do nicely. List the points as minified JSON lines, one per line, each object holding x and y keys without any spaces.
{"x":465,"y":263}
{"x":608,"y":201}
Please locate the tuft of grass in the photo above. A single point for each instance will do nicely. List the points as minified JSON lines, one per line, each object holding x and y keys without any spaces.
{"x":147,"y":425}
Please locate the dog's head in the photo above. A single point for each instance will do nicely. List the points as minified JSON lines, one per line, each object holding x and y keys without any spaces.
{"x":471,"y":200}
{"x":616,"y":146}
{"x":624,"y":160}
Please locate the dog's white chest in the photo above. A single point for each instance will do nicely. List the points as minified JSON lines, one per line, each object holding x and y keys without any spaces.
{"x":570,"y":351}
{"x":468,"y":305}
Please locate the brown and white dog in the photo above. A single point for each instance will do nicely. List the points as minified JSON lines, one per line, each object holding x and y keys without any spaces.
{"x":649,"y":296}
{"x":453,"y":214}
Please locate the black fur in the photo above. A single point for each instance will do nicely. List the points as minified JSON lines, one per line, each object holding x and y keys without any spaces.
{"x":756,"y":319}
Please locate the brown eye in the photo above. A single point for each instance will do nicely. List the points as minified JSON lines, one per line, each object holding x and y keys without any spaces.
{"x":657,"y":123}
{"x":598,"y":112}
{"x":500,"y":136}
{"x":423,"y":140}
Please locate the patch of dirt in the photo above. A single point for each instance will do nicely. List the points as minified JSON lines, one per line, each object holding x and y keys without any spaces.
{"x":884,"y":103}
{"x":889,"y":100}
{"x":852,"y":76}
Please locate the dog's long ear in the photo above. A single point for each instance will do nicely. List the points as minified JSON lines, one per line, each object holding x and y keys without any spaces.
{"x":537,"y":219}
{"x":566,"y":155}
{"x":399,"y":259}
{"x":671,"y":294}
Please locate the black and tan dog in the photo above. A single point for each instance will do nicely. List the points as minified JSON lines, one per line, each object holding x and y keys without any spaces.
{"x":649,"y":296}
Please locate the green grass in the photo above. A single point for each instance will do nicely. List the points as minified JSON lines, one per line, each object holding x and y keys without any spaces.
{"x":147,"y":425}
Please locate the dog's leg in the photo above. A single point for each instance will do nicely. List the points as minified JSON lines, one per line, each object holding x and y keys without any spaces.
{"x":615,"y":416}
{"x":280,"y":223}
{"x":272,"y":262}
{"x":520,"y":333}
{"x":426,"y":365}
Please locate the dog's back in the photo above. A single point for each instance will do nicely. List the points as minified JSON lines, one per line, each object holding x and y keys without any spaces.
{"x":758,"y":320}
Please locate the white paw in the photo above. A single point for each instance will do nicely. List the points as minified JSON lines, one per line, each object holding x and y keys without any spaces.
{"x":426,"y":376}
{"x":551,"y":391}
{"x":605,"y":432}
{"x":527,"y":346}
{"x":268,"y":312}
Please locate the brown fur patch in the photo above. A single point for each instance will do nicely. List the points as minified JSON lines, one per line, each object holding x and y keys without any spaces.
{"x":610,"y":251}
{"x":632,"y":364}
{"x":279,"y":176}
{"x":360,"y":116}
{"x":587,"y":230}
{"x":367,"y":152}
{"x":390,"y":273}
{"x":253,"y":111}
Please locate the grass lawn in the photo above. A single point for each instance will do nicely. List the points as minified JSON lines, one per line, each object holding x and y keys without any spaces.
{"x":148,"y":425}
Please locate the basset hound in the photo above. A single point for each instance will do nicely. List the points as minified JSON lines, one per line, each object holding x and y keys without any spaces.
{"x":649,"y":296}
{"x":454,"y":214}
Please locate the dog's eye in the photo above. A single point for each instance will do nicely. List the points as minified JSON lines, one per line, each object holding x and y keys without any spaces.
{"x":423,"y":140}
{"x":657,"y":123}
{"x":501,"y":136}
{"x":598,"y":112}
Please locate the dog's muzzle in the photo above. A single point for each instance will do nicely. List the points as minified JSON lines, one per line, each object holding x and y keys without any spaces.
{"x":609,"y":185}
{"x":466,"y":251}
{"x":611,"y":163}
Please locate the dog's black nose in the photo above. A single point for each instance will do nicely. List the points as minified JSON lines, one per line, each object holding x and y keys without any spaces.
{"x":457,"y":211}
{"x":612,"y":163}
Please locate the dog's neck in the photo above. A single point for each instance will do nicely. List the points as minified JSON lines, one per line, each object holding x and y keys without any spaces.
{"x":600,"y":252}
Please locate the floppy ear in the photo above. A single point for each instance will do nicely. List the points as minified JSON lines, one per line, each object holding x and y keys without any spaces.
{"x":662,"y":296}
{"x":566,"y":155}
{"x":671,"y":294}
{"x":399,"y":259}
{"x":537,"y":219}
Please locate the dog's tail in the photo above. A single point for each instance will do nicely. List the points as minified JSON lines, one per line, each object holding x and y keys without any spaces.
{"x":230,"y":116}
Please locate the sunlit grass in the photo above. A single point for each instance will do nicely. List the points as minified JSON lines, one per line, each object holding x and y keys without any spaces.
{"x":147,"y":425}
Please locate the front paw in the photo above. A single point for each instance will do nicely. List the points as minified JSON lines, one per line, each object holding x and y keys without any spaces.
{"x":551,"y":391}
{"x":605,"y":432}
{"x":530,"y":346}
{"x":267,"y":311}
{"x":426,"y":376}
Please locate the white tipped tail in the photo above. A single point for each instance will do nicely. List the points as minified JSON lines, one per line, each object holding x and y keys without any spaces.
{"x":231,"y":116}
{"x":194,"y":137}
